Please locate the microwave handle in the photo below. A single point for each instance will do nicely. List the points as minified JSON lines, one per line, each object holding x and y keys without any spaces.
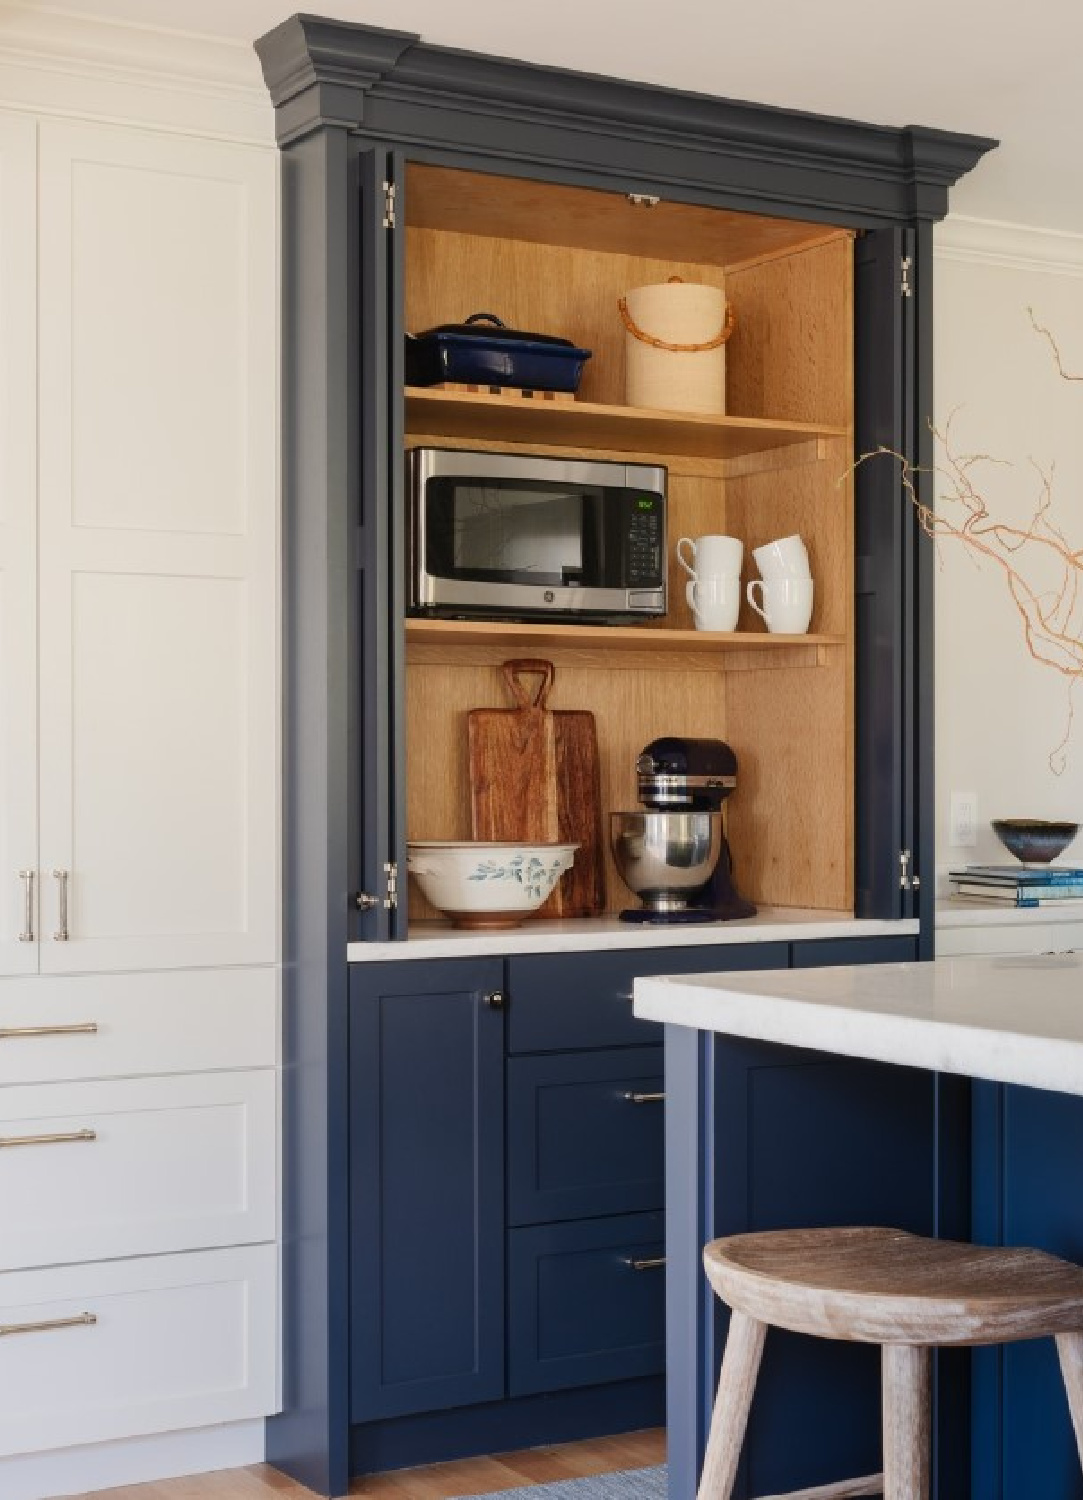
{"x":529,"y":666}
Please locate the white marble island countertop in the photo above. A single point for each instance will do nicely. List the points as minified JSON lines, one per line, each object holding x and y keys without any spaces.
{"x":1016,"y":1019}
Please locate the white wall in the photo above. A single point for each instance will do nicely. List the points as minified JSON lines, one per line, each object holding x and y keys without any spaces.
{"x":1000,"y":714}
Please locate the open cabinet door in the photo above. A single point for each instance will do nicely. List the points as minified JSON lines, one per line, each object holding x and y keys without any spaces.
{"x":885,"y":586}
{"x":377,"y":431}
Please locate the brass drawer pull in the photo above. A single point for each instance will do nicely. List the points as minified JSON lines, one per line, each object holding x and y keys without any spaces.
{"x":83,"y":1319}
{"x":649,"y":1263}
{"x":644,"y":1098}
{"x":61,"y":1139}
{"x":78,"y":1028}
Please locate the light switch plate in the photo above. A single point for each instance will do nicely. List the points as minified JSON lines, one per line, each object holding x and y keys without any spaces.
{"x":964,"y":820}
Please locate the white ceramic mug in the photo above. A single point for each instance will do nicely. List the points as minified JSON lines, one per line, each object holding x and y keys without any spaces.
{"x":712,"y":556}
{"x":787,"y":603}
{"x":715,"y":602}
{"x":785,"y":558}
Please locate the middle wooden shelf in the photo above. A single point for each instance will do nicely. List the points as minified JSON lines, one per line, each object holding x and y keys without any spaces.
{"x":612,"y":647}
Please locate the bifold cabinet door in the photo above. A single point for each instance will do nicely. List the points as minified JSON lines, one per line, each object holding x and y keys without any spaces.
{"x":426,"y":1187}
{"x":18,"y":543}
{"x":158,"y":542}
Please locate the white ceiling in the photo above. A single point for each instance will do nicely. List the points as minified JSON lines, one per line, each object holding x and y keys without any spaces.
{"x":1012,"y":71}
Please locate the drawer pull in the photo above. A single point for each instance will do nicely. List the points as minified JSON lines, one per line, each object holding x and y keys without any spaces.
{"x":648,"y":1263}
{"x":644,"y":1098}
{"x":83,"y":1319}
{"x":79,"y":1028}
{"x":61,"y":1139}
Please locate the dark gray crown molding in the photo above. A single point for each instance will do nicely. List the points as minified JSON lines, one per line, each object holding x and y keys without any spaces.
{"x":392,"y":86}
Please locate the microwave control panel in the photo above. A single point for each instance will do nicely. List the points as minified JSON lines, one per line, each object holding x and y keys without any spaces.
{"x":644,"y":545}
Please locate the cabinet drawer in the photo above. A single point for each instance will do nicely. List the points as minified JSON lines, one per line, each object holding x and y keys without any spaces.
{"x":156,"y":1165}
{"x":579,"y":1311}
{"x":178,"y":1341}
{"x":585,"y":1134}
{"x":114,"y":1025}
{"x":570,"y":1000}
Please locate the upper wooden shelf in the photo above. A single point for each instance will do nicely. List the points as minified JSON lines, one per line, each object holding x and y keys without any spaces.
{"x":486,"y":642}
{"x":587,"y":424}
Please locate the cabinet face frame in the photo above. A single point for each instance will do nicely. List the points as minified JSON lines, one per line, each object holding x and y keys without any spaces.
{"x":18,"y":546}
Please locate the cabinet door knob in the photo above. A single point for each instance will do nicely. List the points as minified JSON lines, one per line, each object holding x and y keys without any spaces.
{"x":494,"y":999}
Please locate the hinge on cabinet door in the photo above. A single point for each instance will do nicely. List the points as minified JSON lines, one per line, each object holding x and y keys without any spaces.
{"x":907,"y":882}
{"x":389,"y":205}
{"x":904,"y":285}
{"x":391,"y":900}
{"x":643,"y":200}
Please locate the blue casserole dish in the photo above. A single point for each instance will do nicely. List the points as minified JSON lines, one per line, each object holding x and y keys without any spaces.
{"x":482,"y":351}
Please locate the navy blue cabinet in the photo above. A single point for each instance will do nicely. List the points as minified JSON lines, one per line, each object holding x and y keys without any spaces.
{"x":426,"y":1186}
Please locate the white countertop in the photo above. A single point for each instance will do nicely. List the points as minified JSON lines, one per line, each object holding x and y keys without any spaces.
{"x":955,"y":912}
{"x":774,"y":924}
{"x":1016,"y":1019}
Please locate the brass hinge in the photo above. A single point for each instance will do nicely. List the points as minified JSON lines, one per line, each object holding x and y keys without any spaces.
{"x":391,"y":899}
{"x":905,"y":286}
{"x":389,"y":205}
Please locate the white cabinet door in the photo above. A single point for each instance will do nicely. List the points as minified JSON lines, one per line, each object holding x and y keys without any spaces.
{"x":18,"y":509}
{"x":158,"y":545}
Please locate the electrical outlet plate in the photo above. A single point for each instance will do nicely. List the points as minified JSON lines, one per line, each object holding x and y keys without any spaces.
{"x":964,"y":820}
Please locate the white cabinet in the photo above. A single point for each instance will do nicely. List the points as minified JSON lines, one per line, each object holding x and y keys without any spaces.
{"x":18,"y":543}
{"x":120,"y":1348}
{"x":155,"y":582}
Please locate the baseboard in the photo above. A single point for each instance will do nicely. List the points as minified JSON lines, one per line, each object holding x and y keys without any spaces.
{"x":101,"y":1466}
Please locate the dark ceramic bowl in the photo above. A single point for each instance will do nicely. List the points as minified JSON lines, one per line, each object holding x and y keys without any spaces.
{"x":1034,"y":840}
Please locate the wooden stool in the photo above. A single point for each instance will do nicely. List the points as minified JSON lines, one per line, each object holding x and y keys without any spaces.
{"x":881,"y":1286}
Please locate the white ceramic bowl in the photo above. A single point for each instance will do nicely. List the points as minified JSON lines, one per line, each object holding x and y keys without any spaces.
{"x":487,"y":885}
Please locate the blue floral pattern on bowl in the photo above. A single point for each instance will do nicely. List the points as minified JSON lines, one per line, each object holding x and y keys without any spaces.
{"x":536,"y":878}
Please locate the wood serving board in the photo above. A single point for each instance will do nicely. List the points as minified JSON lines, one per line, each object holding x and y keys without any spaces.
{"x":534,"y":778}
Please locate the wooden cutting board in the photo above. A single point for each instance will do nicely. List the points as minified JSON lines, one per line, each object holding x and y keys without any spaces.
{"x":534,"y":776}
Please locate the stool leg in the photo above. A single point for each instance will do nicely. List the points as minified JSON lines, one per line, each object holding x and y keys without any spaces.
{"x":906,"y":1403}
{"x":736,"y":1383}
{"x":1070,"y":1350}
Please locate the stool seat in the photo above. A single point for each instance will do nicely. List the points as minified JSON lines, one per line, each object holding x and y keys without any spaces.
{"x":884,"y":1286}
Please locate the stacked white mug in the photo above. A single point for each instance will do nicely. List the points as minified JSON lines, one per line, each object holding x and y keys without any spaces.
{"x":714,"y":587}
{"x":784,"y":586}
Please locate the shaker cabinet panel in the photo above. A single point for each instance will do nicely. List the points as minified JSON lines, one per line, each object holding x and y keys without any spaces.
{"x":585,"y":1134}
{"x":158,"y":551}
{"x":426,"y":1187}
{"x":18,"y":547}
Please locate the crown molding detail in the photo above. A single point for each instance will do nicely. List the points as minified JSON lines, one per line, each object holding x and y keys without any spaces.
{"x":1020,"y":247}
{"x":394,"y":87}
{"x":55,"y":62}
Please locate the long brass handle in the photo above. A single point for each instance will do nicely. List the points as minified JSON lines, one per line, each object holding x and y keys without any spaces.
{"x":648,"y":1263}
{"x":78,"y":1028}
{"x":61,"y":1138}
{"x":61,"y":933}
{"x":77,"y":1322}
{"x":644,"y":1098}
{"x":27,"y":934}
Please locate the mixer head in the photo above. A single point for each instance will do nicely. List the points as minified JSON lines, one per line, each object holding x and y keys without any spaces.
{"x":681,"y":774}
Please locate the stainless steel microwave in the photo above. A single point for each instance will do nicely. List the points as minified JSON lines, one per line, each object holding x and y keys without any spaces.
{"x":521,"y":536}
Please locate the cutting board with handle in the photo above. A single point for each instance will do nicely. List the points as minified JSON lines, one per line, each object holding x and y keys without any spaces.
{"x":534,"y":777}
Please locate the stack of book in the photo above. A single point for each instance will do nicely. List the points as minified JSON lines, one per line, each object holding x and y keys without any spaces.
{"x":1018,"y":885}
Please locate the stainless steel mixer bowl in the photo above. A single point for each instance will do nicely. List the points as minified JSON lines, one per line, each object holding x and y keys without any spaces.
{"x":666,"y":857}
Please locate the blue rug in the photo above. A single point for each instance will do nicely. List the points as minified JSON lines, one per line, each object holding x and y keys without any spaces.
{"x":626,"y":1484}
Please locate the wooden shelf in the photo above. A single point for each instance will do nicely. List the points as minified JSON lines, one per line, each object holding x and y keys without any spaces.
{"x":614,"y":647}
{"x":588,"y":424}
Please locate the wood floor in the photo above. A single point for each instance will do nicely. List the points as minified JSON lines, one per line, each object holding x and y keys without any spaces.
{"x":469,"y":1476}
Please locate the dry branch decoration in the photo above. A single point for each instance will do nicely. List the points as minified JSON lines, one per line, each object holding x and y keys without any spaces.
{"x":1042,"y":570}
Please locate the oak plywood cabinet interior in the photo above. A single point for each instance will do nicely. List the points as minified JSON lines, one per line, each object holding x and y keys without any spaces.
{"x":557,"y":259}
